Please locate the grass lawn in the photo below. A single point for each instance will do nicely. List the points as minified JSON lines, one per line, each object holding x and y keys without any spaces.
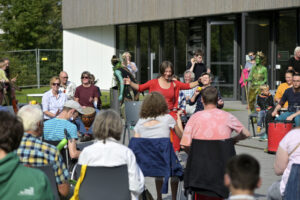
{"x":230,"y":109}
{"x":22,"y":96}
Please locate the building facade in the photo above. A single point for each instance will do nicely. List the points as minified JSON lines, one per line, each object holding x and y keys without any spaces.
{"x":157,"y":30}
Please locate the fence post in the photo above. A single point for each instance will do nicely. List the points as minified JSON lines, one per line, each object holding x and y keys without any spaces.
{"x":37,"y":57}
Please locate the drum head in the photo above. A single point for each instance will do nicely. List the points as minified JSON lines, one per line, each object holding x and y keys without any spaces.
{"x":88,"y":110}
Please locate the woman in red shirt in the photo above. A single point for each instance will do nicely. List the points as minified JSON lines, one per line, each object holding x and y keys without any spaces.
{"x":168,"y":88}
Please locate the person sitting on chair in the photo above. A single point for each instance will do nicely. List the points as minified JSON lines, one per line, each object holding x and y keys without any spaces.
{"x":106,"y":151}
{"x":34,"y":152}
{"x":292,"y":96}
{"x":212,"y":123}
{"x":206,"y":80}
{"x":265,"y":103}
{"x":279,"y":93}
{"x":87,"y":95}
{"x":242,"y":177}
{"x":54,"y":128}
{"x":17,"y":181}
{"x":66,"y":86}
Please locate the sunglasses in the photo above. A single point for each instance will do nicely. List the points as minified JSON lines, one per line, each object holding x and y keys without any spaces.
{"x":65,"y":77}
{"x":55,"y":84}
{"x":84,"y":77}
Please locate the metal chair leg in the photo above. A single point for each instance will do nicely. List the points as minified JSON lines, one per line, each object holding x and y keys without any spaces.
{"x":124,"y":133}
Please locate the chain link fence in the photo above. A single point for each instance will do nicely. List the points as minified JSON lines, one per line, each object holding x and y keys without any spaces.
{"x":34,"y":67}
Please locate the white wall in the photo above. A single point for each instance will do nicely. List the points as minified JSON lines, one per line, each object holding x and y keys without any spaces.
{"x":89,"y":49}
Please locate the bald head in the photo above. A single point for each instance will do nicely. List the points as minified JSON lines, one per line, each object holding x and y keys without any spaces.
{"x":63,"y":76}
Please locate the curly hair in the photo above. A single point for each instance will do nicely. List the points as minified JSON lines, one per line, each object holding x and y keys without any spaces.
{"x":153,"y":105}
{"x":11,"y":131}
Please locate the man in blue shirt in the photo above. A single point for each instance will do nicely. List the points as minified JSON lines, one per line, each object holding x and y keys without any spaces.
{"x":54,"y":128}
{"x":292,"y":96}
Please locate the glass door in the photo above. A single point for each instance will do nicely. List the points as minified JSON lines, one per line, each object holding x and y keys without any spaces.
{"x":221,"y":57}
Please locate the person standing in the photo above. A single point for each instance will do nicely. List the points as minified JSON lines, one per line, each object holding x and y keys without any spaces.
{"x":66,"y":86}
{"x":196,"y":64}
{"x":258,"y":76}
{"x":294,"y":62}
{"x":131,"y":66}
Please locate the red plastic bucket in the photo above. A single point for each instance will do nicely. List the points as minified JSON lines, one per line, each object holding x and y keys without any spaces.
{"x":276,"y":131}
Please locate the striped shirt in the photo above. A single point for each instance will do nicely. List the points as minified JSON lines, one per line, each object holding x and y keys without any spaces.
{"x":54,"y":129}
{"x":33,"y":152}
{"x":52,"y":104}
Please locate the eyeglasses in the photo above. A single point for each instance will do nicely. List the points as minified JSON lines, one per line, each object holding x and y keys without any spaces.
{"x":55,"y":84}
{"x":84,"y":77}
{"x":65,"y":77}
{"x":296,"y":81}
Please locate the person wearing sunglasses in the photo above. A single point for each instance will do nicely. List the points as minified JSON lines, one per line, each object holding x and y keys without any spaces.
{"x":87,"y":96}
{"x":53,"y":100}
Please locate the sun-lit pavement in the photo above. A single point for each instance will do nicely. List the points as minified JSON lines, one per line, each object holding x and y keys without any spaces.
{"x":250,"y":146}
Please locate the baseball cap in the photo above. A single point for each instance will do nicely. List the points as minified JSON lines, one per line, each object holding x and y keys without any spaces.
{"x":75,"y":105}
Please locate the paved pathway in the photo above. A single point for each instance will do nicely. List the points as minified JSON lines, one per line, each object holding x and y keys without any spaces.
{"x":249,"y":146}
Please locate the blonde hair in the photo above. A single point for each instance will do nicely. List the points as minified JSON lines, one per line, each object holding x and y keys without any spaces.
{"x":124,"y":57}
{"x":54,"y":78}
{"x":264,"y":87}
{"x":107,"y":124}
{"x":30,"y":116}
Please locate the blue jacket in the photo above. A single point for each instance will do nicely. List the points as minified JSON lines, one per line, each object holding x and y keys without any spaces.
{"x":156,"y":158}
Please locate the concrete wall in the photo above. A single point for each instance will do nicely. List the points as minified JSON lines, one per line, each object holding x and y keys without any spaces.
{"x":89,"y":49}
{"x":86,"y":13}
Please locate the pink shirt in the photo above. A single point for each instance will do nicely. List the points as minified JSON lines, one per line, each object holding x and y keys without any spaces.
{"x":212,"y":124}
{"x":288,"y":143}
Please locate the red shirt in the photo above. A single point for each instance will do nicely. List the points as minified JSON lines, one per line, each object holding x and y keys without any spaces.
{"x":170,"y":94}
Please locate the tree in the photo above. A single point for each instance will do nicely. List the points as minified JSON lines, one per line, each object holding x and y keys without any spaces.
{"x":30,"y":24}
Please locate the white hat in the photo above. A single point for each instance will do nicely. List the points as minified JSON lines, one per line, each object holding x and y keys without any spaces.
{"x":75,"y":105}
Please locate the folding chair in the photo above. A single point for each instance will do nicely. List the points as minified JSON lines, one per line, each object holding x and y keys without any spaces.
{"x":48,"y":170}
{"x":132,"y":114}
{"x":205,"y":169}
{"x":105,"y":183}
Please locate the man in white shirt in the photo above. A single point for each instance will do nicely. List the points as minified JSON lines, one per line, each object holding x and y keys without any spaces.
{"x":66,"y":86}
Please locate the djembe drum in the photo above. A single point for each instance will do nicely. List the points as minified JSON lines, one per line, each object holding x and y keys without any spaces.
{"x":276,"y":131}
{"x":88,"y":117}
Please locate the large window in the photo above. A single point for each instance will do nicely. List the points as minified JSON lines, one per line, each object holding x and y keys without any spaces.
{"x":287,"y":40}
{"x":168,"y":48}
{"x":181,"y":46}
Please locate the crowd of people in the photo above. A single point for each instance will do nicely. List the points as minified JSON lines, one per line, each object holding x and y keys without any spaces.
{"x":183,"y":112}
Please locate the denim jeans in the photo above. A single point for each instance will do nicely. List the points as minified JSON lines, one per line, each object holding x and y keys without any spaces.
{"x":292,"y":189}
{"x":284,"y":115}
{"x":261,"y":117}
